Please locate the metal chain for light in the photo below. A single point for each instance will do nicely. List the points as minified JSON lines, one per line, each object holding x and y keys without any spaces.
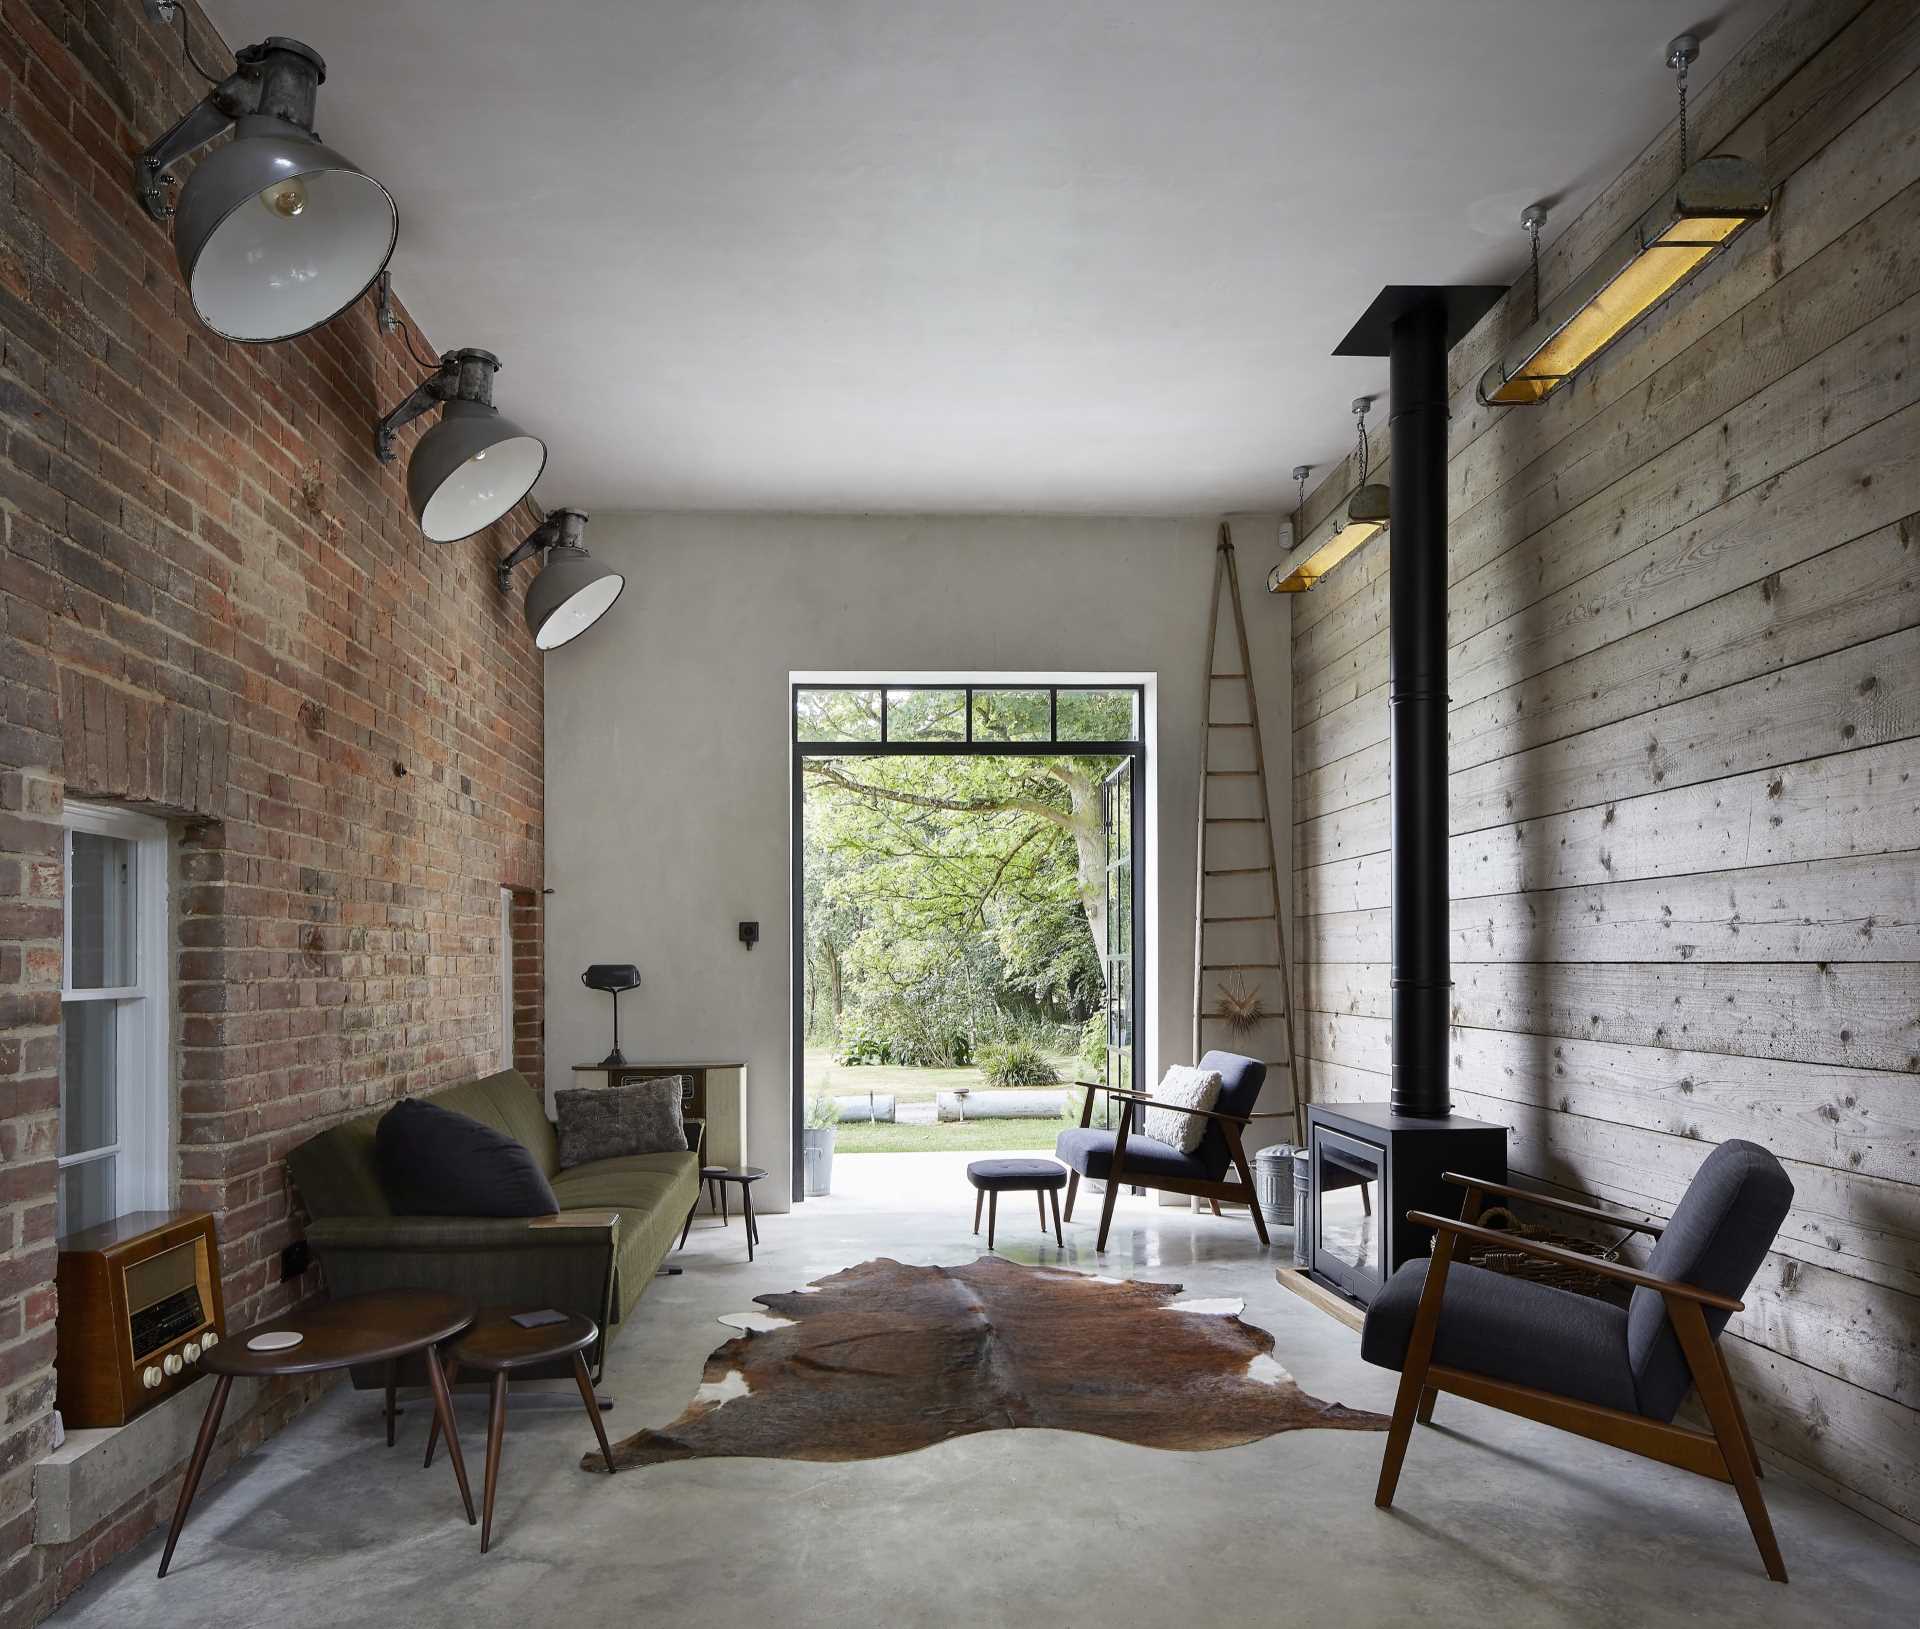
{"x":1300,"y":474}
{"x":1680,"y":54}
{"x":1533,"y":231}
{"x":1360,"y":406}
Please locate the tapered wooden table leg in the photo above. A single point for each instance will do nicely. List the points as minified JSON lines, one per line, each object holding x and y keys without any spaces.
{"x":993,"y":1214}
{"x":203,"y":1446}
{"x":1059,"y":1238}
{"x":979,"y":1199}
{"x":593,"y":1407}
{"x":746,"y":1206}
{"x":496,"y":1435}
{"x":433,"y":1425}
{"x":443,"y":1411}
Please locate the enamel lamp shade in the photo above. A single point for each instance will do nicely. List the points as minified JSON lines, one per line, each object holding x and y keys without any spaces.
{"x":572,"y":590}
{"x":276,"y":233}
{"x":469,"y":470}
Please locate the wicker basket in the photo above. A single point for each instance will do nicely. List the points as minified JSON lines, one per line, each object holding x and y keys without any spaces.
{"x":1519,"y":1264}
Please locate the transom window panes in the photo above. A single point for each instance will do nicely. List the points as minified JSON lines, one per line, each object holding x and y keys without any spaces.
{"x":837,"y":715}
{"x":115,"y":1107}
{"x":926,"y":715}
{"x":1099,"y":715}
{"x":1012,"y":715}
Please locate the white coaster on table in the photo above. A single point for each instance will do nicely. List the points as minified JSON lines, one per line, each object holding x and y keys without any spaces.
{"x":275,"y":1340}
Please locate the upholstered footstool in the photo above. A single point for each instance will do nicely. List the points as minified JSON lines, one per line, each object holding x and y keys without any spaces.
{"x":992,"y":1178}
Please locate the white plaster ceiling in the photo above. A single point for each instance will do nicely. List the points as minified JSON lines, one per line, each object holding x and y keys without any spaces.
{"x":962,"y":255}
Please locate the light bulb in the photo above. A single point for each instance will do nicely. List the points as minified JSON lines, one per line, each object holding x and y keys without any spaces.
{"x":285,"y":198}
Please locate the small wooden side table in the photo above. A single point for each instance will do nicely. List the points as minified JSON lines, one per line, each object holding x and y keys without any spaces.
{"x":716,"y":1178}
{"x":376,"y":1328}
{"x":496,"y":1345}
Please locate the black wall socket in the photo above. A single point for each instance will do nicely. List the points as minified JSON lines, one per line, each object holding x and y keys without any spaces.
{"x":295,"y":1260}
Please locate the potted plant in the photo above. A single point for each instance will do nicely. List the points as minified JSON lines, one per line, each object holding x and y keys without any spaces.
{"x":816,"y":1144}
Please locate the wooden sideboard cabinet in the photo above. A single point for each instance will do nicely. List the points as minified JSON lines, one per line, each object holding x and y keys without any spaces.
{"x":715,"y":1093}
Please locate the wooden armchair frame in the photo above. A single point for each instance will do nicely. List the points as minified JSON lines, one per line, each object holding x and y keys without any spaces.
{"x":1231,"y":1126}
{"x":1726,"y":1453}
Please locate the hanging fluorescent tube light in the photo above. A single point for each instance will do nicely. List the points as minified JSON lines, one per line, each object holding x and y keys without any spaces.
{"x":1713,"y":201}
{"x":572,"y":591}
{"x":1359,"y":520}
{"x":474,"y":465}
{"x":275,"y":232}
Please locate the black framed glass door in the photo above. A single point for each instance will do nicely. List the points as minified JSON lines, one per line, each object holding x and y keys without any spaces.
{"x":1081,"y":722}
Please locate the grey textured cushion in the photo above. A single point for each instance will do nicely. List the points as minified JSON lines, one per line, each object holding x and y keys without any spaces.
{"x":604,"y":1122}
{"x":1090,"y":1152}
{"x":1720,"y":1233}
{"x":1192,"y":1089}
{"x":1510,"y":1329}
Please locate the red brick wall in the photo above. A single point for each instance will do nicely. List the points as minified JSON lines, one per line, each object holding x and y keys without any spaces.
{"x":214,"y":604}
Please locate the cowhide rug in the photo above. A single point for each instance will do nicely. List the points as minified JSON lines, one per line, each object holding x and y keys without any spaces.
{"x":885,"y":1358}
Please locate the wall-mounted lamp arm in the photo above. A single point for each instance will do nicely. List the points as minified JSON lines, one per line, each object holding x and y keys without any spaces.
{"x":562,"y":529}
{"x":277,"y":79}
{"x":201,"y":123}
{"x":438,"y":387}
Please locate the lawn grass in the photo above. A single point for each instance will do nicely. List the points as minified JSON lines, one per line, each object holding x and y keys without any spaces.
{"x":948,"y":1136}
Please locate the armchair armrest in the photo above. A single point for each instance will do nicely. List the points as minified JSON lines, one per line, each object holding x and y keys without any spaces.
{"x":1573,"y":1258}
{"x":1177,"y":1108}
{"x":1591,"y":1213}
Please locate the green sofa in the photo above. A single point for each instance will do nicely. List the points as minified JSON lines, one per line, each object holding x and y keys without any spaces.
{"x":514,"y":1262}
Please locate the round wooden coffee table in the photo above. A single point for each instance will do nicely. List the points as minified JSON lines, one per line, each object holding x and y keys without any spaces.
{"x":497,"y":1345}
{"x":377,"y":1328}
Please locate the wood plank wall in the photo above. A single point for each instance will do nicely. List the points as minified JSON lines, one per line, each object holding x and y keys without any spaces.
{"x":1684,"y":620}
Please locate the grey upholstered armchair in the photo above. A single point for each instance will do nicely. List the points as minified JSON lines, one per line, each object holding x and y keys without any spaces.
{"x":1126,"y":1157}
{"x":1615,"y":1374}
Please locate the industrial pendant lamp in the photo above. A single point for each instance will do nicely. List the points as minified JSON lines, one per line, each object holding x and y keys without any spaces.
{"x":573,"y":590}
{"x":1713,"y":201}
{"x":1362,"y":517}
{"x":474,"y":465}
{"x":275,"y":232}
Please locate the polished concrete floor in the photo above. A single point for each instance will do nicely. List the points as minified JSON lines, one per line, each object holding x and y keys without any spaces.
{"x":1499,"y":1521}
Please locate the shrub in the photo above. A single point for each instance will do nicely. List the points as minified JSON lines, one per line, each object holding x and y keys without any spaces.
{"x":1093,"y":1044}
{"x":1017,"y":1063}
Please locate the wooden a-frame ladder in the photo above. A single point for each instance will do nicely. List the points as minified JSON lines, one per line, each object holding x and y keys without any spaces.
{"x":1239,"y":933}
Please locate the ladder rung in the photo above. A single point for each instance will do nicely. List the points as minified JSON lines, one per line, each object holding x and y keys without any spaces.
{"x":1234,"y":820}
{"x":1260,"y":916}
{"x":1234,"y":967}
{"x":1226,"y":675}
{"x":1215,"y":724}
{"x":1236,"y":774}
{"x":1240,"y":871}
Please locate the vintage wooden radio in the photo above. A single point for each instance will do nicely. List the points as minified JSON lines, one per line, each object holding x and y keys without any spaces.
{"x":139,"y":1303}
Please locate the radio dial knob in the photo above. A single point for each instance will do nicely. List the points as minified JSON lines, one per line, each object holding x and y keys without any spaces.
{"x":171,"y":1363}
{"x":150,"y":1376}
{"x":191,"y":1352}
{"x":210,"y":1340}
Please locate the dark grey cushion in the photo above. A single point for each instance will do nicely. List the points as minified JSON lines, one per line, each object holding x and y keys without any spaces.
{"x":439,"y":1162}
{"x":1509,"y":1329}
{"x":1090,"y":1152}
{"x":999,"y":1176}
{"x":1720,"y":1233}
{"x":610,"y":1122}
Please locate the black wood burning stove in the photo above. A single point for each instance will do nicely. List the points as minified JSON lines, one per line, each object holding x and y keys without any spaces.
{"x":1373,"y":1162}
{"x":1370,"y":1166}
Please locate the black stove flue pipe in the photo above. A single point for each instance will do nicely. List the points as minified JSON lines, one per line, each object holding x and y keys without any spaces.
{"x":1417,"y":703}
{"x":1414,"y":326}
